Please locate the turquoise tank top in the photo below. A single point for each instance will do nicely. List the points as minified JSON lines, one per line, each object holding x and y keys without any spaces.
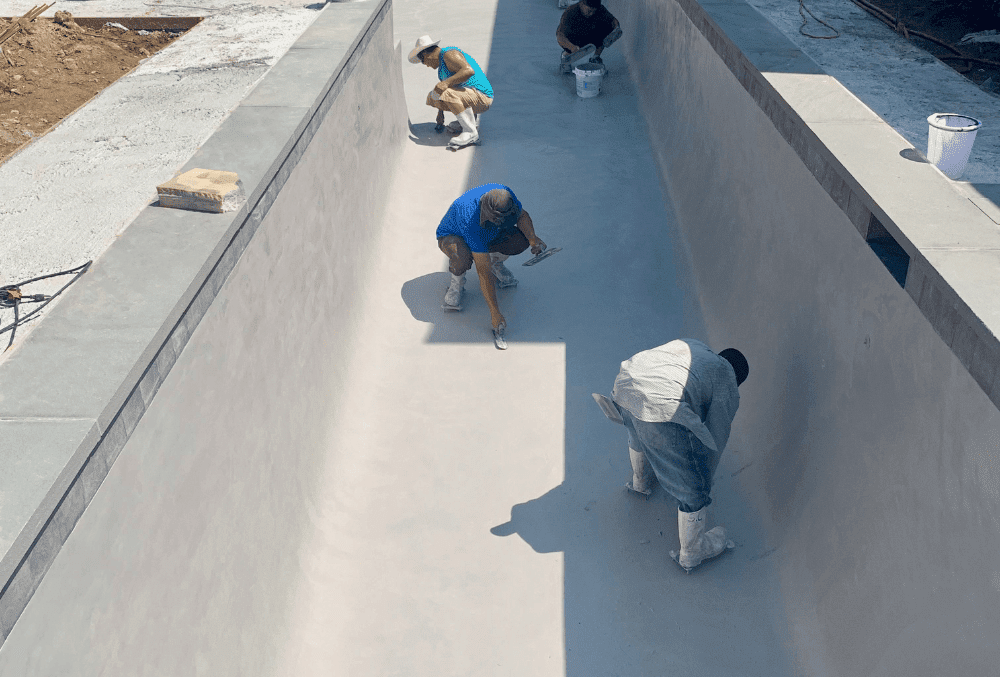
{"x":478,"y":79}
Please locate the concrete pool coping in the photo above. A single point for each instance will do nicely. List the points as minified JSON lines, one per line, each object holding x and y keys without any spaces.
{"x":67,"y":406}
{"x":949,"y":231}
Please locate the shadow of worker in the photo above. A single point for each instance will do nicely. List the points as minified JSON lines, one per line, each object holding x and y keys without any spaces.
{"x":628,"y":608}
{"x":424,"y":134}
{"x":424,"y":296}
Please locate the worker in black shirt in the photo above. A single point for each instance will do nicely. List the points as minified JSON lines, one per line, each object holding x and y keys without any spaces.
{"x":585,"y":28}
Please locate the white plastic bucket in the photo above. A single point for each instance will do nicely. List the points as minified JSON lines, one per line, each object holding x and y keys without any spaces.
{"x":588,"y":79}
{"x":949,"y":142}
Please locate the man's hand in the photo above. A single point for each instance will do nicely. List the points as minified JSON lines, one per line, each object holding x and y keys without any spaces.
{"x":440,"y":87}
{"x":537,"y":246}
{"x":498,"y":319}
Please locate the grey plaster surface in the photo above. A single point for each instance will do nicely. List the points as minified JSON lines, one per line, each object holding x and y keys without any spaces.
{"x":387,"y":494}
{"x":869,"y":443}
{"x":82,"y":382}
{"x":27,"y":478}
{"x":551,"y":567}
{"x":867,"y":167}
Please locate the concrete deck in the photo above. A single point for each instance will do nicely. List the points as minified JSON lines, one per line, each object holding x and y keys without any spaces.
{"x":57,"y":211}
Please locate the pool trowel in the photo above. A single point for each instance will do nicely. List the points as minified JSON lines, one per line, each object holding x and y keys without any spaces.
{"x":541,"y":256}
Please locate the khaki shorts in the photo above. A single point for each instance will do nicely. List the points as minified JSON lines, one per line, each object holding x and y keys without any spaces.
{"x":456,"y":99}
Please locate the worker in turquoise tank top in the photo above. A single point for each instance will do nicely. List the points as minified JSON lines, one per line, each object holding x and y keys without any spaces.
{"x":462,"y":89}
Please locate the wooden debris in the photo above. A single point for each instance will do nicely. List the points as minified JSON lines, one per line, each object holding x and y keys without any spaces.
{"x":16,"y":26}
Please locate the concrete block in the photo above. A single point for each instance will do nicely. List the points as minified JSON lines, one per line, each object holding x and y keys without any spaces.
{"x":252,"y":142}
{"x":965,"y":342}
{"x":14,"y":598}
{"x":820,"y":98}
{"x":858,"y":213}
{"x":986,"y":196}
{"x":93,"y":473}
{"x":833,"y":183}
{"x":932,"y":213}
{"x":297,"y":79}
{"x":113,"y":442}
{"x":771,"y":61}
{"x":153,"y":377}
{"x":33,"y":454}
{"x":938,"y":308}
{"x":48,"y":544}
{"x":204,"y":190}
{"x":986,"y":364}
{"x":336,"y":27}
{"x":747,"y":28}
{"x":132,"y":411}
{"x":972,"y":275}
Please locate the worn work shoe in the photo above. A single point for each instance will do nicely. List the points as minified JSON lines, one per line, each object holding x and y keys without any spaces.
{"x":504,"y":277}
{"x":453,"y":297}
{"x":698,"y":545}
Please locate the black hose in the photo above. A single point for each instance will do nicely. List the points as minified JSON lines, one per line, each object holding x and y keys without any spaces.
{"x":11,"y":296}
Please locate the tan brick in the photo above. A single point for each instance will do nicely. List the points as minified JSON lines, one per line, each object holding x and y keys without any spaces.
{"x":205,"y":190}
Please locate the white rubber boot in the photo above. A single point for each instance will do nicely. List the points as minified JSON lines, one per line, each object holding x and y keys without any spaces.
{"x":698,"y":545}
{"x":453,"y":297}
{"x":641,"y":476}
{"x":504,"y":277}
{"x":470,"y":134}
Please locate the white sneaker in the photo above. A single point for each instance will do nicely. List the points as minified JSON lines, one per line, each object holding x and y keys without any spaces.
{"x":698,"y":545}
{"x":453,"y":297}
{"x":504,"y":277}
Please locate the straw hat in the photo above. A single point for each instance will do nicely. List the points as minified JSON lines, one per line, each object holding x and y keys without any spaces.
{"x":423,"y":42}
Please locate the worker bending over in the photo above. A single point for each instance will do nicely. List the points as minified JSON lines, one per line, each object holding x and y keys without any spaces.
{"x":585,"y":28}
{"x":485,"y":226}
{"x":677,"y":403}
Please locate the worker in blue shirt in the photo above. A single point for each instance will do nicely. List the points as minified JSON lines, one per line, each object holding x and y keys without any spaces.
{"x":462,"y":88}
{"x":484,"y":226}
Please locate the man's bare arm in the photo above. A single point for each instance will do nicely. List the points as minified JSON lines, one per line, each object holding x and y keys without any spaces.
{"x":526,"y":226}
{"x":460,"y":68}
{"x":486,"y":284}
{"x":561,"y":36}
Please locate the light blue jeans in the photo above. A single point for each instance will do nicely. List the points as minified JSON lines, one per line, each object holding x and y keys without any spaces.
{"x":682,"y":464}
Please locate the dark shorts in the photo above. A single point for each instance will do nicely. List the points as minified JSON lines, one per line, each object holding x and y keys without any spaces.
{"x":460,"y":256}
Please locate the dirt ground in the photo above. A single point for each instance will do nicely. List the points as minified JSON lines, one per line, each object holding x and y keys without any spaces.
{"x":58,"y":68}
{"x":949,"y":21}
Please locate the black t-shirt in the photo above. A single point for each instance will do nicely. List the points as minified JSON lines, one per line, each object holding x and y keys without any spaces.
{"x":586,"y":30}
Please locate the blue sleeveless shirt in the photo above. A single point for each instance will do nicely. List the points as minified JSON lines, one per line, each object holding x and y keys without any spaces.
{"x":478,"y":79}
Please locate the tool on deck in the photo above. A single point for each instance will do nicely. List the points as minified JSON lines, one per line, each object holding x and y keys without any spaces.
{"x":541,"y":257}
{"x":498,"y":339}
{"x":607,"y":405}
